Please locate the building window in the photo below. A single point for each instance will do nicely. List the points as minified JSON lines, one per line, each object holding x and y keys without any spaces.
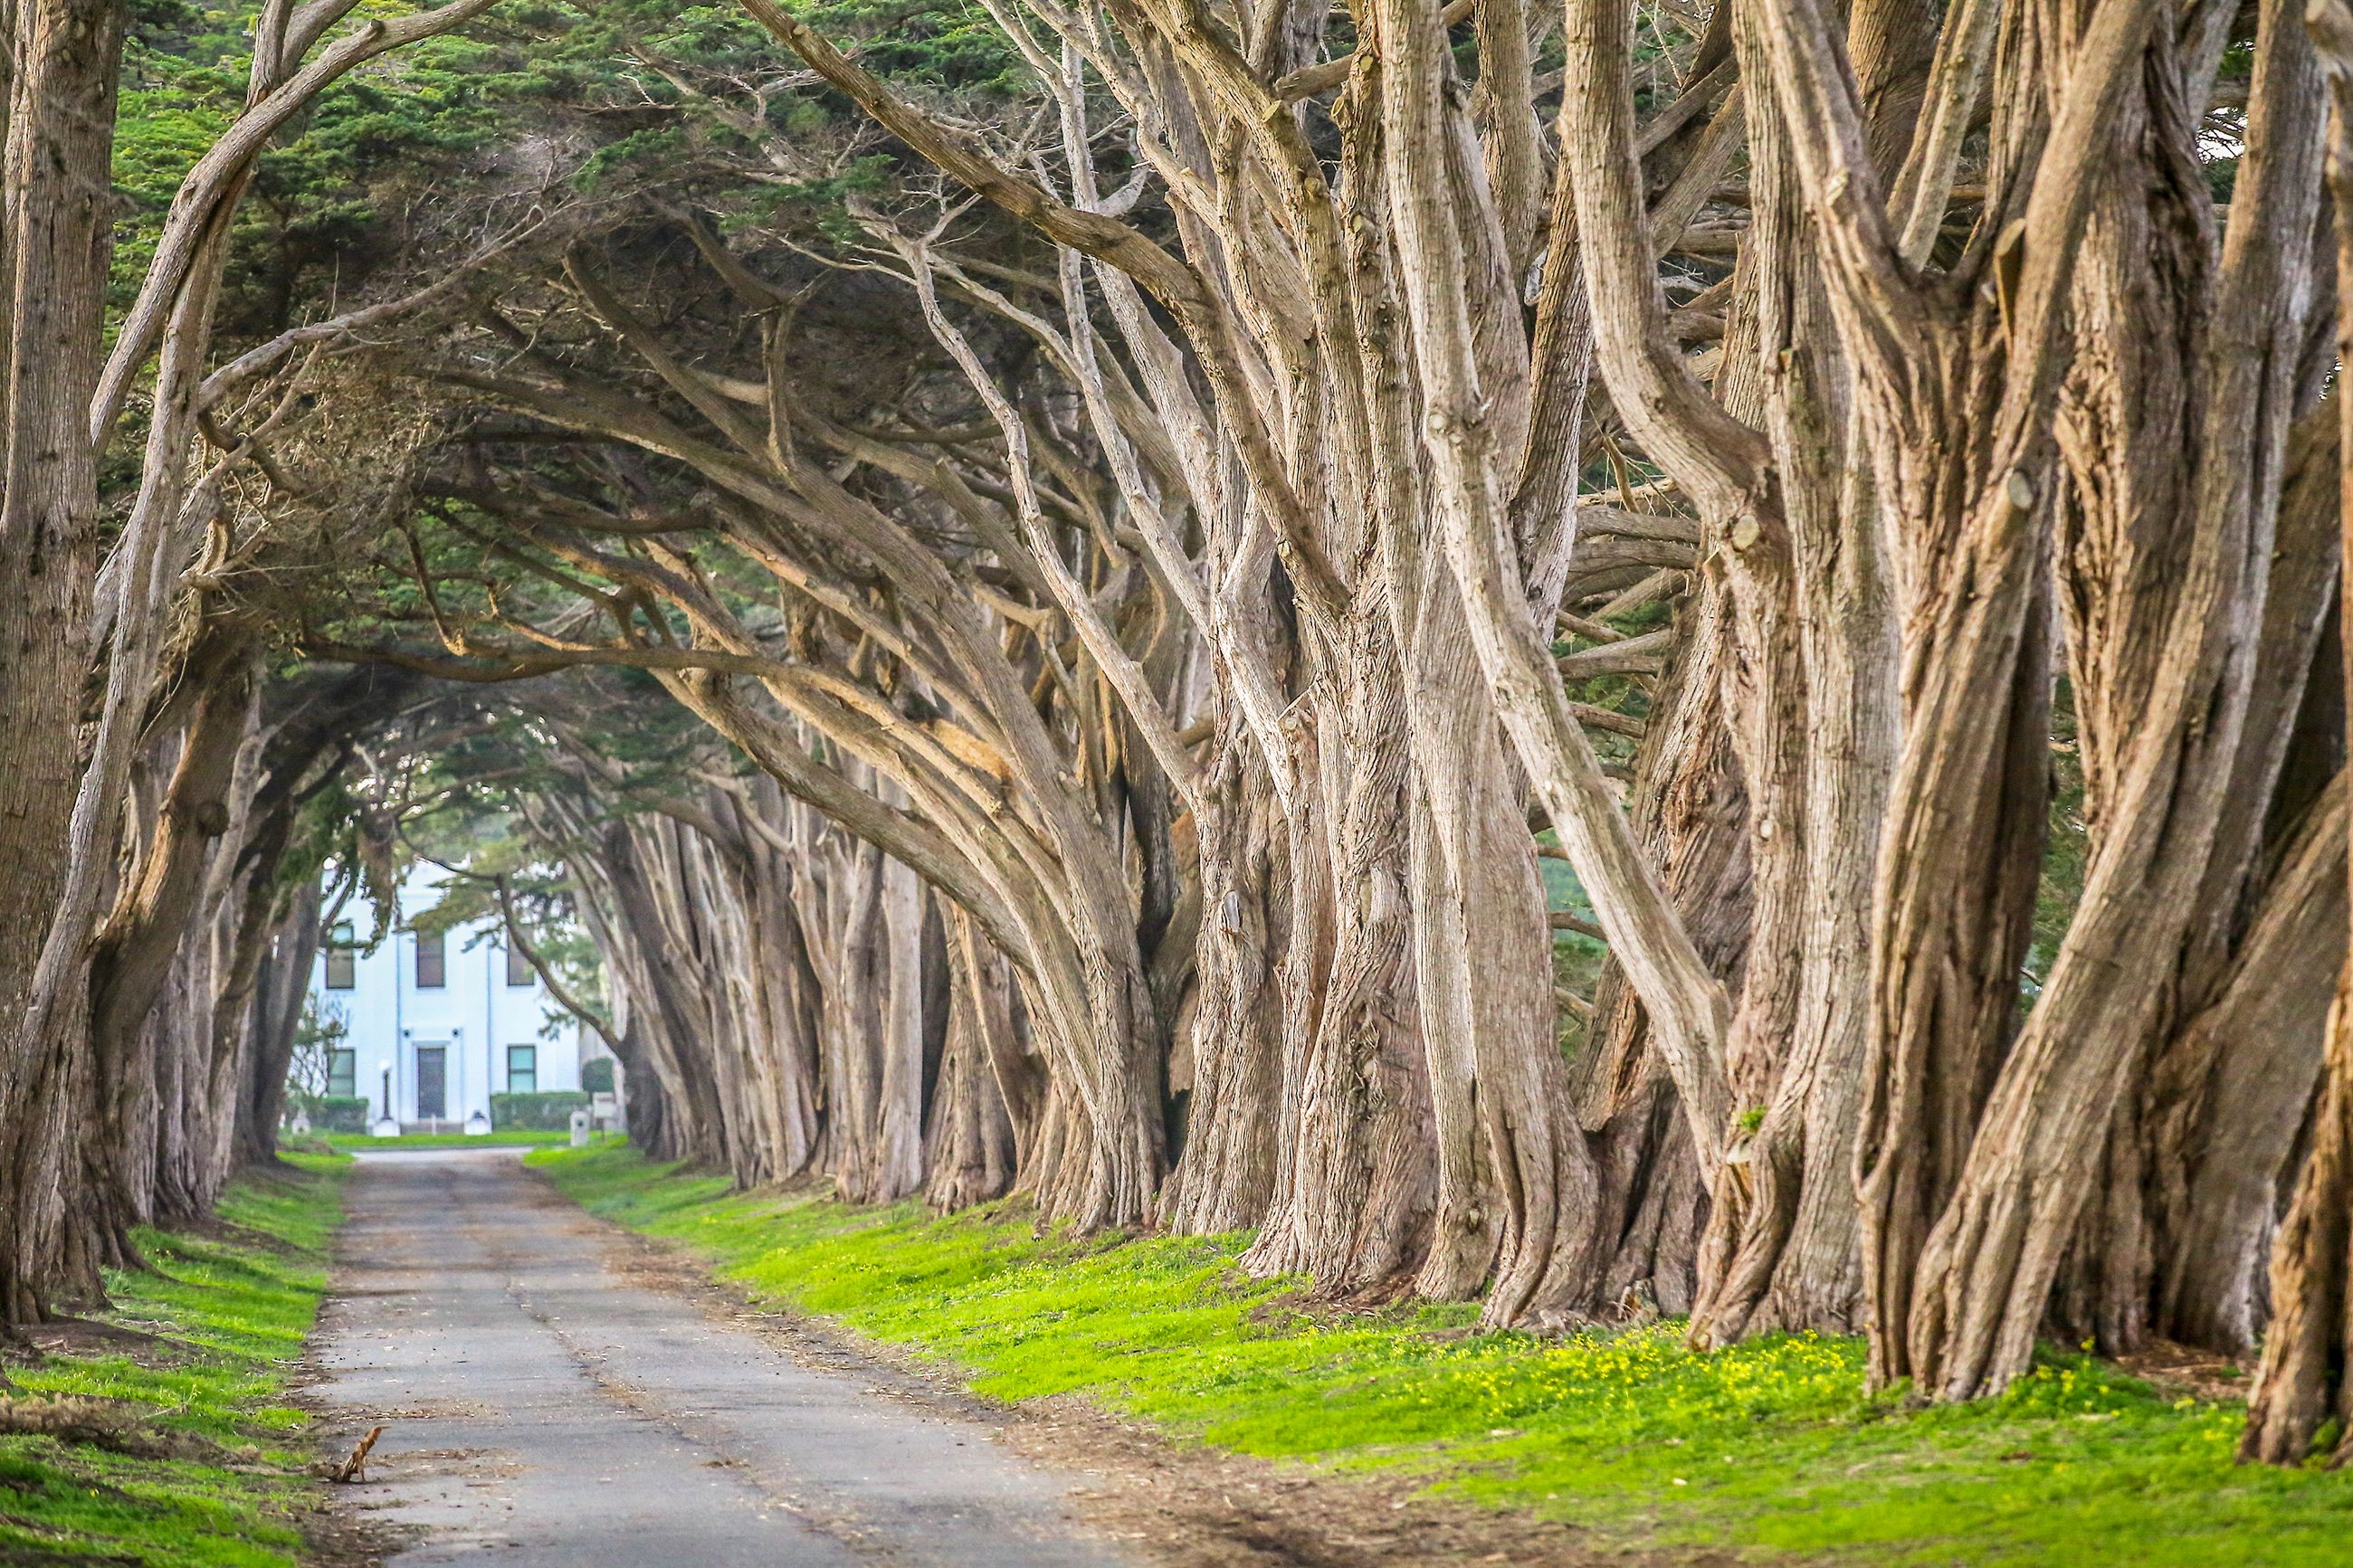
{"x":431,"y":960}
{"x":342,"y":1072}
{"x":340,"y":958}
{"x":522,"y":1069}
{"x":518,"y":967}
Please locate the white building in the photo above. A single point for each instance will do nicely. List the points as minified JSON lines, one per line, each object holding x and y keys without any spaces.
{"x":439,"y":1023}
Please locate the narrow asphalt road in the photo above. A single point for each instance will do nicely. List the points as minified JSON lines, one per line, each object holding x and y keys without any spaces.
{"x":547,"y":1409}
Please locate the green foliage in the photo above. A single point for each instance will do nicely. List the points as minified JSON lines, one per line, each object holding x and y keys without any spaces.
{"x":1577,"y":960}
{"x":597,"y":1074}
{"x":629,"y":94}
{"x":549,"y":1113}
{"x":318,"y":1034}
{"x":228,"y":1314}
{"x":335,"y":831}
{"x":332,"y":1113}
{"x":2066,"y":853}
{"x":610,"y":97}
{"x":1769,"y":1446}
{"x":475,"y":830}
{"x":326,"y":194}
{"x":509,"y":1138}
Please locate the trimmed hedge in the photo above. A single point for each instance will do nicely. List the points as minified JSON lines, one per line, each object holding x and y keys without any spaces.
{"x":332,"y":1113}
{"x":597,"y":1074}
{"x":549,"y":1113}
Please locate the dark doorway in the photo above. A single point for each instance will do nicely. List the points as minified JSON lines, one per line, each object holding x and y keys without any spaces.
{"x":432,"y":1077}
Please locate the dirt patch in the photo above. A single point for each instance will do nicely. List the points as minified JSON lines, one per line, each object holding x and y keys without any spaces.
{"x":334,"y":1536}
{"x":117,"y":1426}
{"x":94,"y":1337}
{"x":1194,"y":1507}
{"x":482,"y":1463}
{"x":36,"y":1557}
{"x":436,"y":1410}
{"x":2176,"y":1370}
{"x":1179,"y":1505}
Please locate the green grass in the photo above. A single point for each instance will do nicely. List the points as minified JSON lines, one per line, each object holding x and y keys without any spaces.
{"x":230,"y":1312}
{"x":505,"y":1138}
{"x":1771,"y":1446}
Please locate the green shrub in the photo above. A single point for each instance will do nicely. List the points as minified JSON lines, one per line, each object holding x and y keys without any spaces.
{"x":597,"y":1076}
{"x":550,"y":1112}
{"x":330,"y":1112}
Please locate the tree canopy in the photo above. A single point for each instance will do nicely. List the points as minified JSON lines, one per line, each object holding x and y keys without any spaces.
{"x":1606,"y":658}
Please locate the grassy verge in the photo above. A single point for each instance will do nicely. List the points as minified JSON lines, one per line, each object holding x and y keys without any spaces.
{"x":228,"y":1314}
{"x":505,"y":1138}
{"x":1772,"y":1446}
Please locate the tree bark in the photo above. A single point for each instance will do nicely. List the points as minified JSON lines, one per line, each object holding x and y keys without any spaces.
{"x":2306,"y":1376}
{"x":277,"y":1013}
{"x":1986,"y":1270}
{"x":970,"y":1151}
{"x":159,"y":916}
{"x":60,"y":215}
{"x":2233,"y":1127}
{"x":2304,"y":1381}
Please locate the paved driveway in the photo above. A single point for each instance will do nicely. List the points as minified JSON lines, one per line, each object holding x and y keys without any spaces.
{"x":546,"y":1412}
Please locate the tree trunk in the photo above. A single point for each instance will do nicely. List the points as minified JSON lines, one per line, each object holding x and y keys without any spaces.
{"x":60,"y":208}
{"x":1785,"y":1249}
{"x":1350,"y":1205}
{"x":1688,"y":806}
{"x":2232,"y":1129}
{"x":1958,"y":863}
{"x":900,"y":1165}
{"x":1228,"y":1068}
{"x":2306,"y":1376}
{"x":969,"y":1151}
{"x":277,"y":1013}
{"x":2182,"y":590}
{"x":158,"y":922}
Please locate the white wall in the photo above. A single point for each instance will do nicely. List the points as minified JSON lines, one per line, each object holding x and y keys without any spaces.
{"x":473,"y":1016}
